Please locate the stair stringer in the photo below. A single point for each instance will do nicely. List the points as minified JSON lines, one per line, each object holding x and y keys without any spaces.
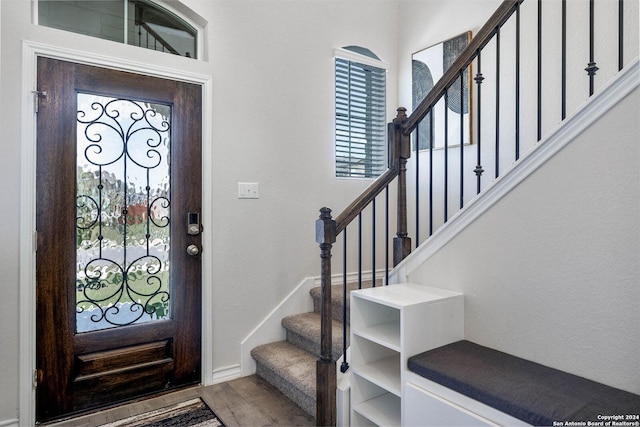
{"x":270,"y":329}
{"x":595,"y":107}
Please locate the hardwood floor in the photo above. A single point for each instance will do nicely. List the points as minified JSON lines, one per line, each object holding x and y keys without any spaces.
{"x":246,"y":401}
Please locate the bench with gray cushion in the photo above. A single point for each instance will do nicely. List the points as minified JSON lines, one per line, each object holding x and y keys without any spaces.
{"x":533,"y":393}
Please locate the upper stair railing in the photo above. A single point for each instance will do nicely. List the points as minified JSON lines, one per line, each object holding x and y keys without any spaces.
{"x":150,"y":39}
{"x":529,"y":91}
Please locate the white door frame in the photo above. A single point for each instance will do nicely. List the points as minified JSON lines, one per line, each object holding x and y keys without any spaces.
{"x":27,"y":314}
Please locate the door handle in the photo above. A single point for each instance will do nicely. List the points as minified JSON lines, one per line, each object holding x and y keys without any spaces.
{"x":193,"y":250}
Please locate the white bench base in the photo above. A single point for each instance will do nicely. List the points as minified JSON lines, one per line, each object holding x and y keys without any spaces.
{"x":426,"y":403}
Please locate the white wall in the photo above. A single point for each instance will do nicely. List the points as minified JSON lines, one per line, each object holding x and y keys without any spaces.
{"x":426,"y":23}
{"x":272,"y":123}
{"x":550,"y":273}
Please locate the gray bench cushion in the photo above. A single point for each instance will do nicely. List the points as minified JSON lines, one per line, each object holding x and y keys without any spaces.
{"x":531,"y":392}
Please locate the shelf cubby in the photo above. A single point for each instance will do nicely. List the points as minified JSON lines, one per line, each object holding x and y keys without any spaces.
{"x":389,"y":324}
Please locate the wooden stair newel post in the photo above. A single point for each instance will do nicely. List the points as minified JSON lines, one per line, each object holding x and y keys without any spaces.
{"x":401,"y":144}
{"x":325,"y":366}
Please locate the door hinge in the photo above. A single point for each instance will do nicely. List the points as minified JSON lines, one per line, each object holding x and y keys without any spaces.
{"x":37,"y":377}
{"x":37,"y":94}
{"x":35,"y":241}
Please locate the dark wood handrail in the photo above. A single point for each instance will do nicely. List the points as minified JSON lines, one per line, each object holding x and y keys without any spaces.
{"x":370,"y":193}
{"x":480,"y":40}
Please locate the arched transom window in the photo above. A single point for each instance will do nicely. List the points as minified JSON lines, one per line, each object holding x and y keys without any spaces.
{"x":135,"y":22}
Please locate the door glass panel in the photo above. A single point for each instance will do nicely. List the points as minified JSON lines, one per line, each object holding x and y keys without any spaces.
{"x":122,"y":220}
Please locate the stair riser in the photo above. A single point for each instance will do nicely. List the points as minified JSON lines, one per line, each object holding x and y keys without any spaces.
{"x":304,"y":401}
{"x":336,"y":309}
{"x":337,"y":296}
{"x":314,"y":347}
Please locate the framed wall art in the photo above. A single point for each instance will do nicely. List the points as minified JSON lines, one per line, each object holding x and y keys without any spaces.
{"x":428,"y":66}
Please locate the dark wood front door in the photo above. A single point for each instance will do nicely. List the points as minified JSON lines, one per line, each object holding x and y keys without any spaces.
{"x":118,"y":276}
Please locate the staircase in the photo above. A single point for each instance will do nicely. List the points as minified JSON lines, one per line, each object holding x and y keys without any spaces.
{"x":290,"y":365}
{"x":303,"y":367}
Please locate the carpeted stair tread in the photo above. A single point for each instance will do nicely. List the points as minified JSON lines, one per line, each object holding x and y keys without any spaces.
{"x":336,"y":290}
{"x":303,"y":330}
{"x":294,"y":363}
{"x":290,"y":369}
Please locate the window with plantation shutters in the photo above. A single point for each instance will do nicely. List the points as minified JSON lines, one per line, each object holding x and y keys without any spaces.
{"x":360,"y":119}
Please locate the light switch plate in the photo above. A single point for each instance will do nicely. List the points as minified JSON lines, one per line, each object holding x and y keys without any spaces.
{"x":248,"y":190}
